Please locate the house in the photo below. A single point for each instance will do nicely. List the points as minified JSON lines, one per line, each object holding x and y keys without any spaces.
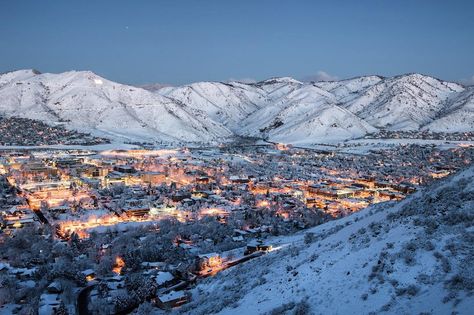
{"x":239,"y":179}
{"x":163,"y":278}
{"x":153,"y":177}
{"x":89,"y":274}
{"x":18,"y":217}
{"x":137,"y":211}
{"x":202,"y":180}
{"x":240,"y":232}
{"x":114,"y":178}
{"x":153,"y":265}
{"x":239,"y":238}
{"x":59,"y":209}
{"x":136,"y":207}
{"x":125,"y":169}
{"x":54,"y":287}
{"x":209,"y":260}
{"x":257,"y":246}
{"x":180,"y":197}
{"x":199,"y":194}
{"x":68,"y":163}
{"x":172,"y":299}
{"x":115,"y":283}
{"x":95,"y":171}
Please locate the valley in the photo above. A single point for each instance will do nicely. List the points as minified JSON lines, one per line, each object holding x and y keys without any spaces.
{"x":153,"y":228}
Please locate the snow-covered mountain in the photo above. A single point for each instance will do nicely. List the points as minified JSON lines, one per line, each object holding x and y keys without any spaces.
{"x":457,"y":116}
{"x":302,"y":113}
{"x":87,"y":102}
{"x":403,"y":102}
{"x":226,"y":103}
{"x":287,"y":110}
{"x":279,"y":109}
{"x":411,"y":257}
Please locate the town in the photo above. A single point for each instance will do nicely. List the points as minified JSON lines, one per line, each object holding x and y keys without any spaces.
{"x":16,"y":131}
{"x":104,"y":231}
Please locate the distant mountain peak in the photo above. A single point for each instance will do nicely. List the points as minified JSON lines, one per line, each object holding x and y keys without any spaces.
{"x":153,"y":87}
{"x":274,"y":80}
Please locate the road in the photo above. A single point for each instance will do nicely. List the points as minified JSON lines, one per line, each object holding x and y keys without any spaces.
{"x":83,"y":300}
{"x":41,"y":216}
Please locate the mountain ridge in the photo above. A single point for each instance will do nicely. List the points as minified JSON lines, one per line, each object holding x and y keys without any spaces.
{"x":280,"y":109}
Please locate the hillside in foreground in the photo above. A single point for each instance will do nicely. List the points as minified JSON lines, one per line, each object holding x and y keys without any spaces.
{"x":412,"y":257}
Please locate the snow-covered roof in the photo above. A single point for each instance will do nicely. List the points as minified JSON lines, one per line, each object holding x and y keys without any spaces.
{"x":88,"y":272}
{"x":163,"y":276}
{"x":209,"y":255}
{"x":173,"y":295}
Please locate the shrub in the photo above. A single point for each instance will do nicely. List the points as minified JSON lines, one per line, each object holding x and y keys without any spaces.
{"x":302,"y":308}
{"x":282,"y":309}
{"x":309,"y":238}
{"x":412,"y":290}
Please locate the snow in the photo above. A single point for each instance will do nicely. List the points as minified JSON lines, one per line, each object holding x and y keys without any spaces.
{"x":98,"y":147}
{"x":359,"y":264}
{"x":458,"y":116}
{"x":173,"y":295}
{"x":279,"y":109}
{"x":47,"y":303}
{"x":286,"y":110}
{"x":162,"y":277}
{"x":88,"y":272}
{"x":87,"y":102}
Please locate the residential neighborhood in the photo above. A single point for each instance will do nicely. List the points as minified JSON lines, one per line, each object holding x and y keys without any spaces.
{"x":123,"y":227}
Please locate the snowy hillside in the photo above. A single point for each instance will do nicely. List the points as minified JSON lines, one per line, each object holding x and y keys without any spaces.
{"x":286,"y":110}
{"x":279,"y":109}
{"x":226,"y":103}
{"x":412,"y":257}
{"x":305,"y":113}
{"x":403,"y":102}
{"x":458,"y":116}
{"x":85,"y":101}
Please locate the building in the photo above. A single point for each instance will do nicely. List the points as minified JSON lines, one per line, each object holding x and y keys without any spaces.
{"x":172,"y":299}
{"x":257,"y":246}
{"x":163,"y":278}
{"x":209,"y":260}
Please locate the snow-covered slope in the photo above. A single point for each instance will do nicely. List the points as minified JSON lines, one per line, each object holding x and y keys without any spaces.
{"x":14,"y":76}
{"x":287,"y":110}
{"x":88,"y":102}
{"x":458,"y":116}
{"x":404,"y":102}
{"x":226,"y":103}
{"x":412,"y":257}
{"x":279,"y":109}
{"x":305,"y":113}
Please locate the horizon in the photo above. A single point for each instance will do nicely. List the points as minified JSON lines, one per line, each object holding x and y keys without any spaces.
{"x":184,"y":42}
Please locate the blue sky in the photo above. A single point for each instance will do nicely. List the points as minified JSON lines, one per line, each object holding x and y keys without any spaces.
{"x":181,"y":41}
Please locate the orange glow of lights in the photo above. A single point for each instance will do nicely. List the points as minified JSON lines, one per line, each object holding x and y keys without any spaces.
{"x":284,"y":215}
{"x":263,"y":203}
{"x":119,"y":264}
{"x":80,"y":227}
{"x":213,"y":212}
